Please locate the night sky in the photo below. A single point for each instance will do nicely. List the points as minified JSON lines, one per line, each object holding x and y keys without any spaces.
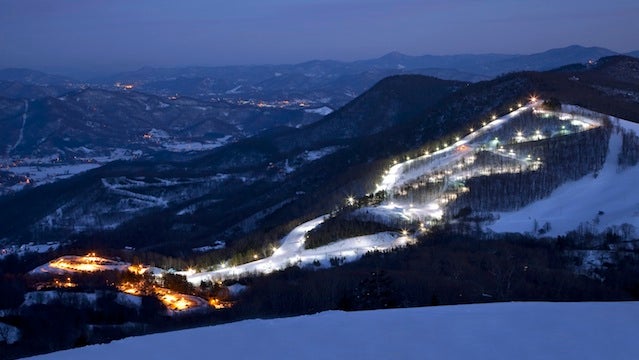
{"x":126,"y":34}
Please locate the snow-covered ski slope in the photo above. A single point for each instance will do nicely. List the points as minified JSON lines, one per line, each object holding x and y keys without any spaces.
{"x":565,"y":331}
{"x":400,"y":174}
{"x":609,"y":199}
{"x":292,"y":252}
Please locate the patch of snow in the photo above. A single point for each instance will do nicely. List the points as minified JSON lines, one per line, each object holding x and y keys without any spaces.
{"x":235,"y":90}
{"x":49,"y":296}
{"x":320,"y":153}
{"x":613,"y":192}
{"x":197,"y":146}
{"x":159,"y":134}
{"x":324,"y":110}
{"x":496,"y":331}
{"x":217,"y":245}
{"x":28,"y":248}
{"x":236,"y":289}
{"x":24,"y":121}
{"x":9,"y":334}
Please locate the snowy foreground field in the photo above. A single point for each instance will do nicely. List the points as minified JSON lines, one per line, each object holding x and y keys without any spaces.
{"x":481,"y":331}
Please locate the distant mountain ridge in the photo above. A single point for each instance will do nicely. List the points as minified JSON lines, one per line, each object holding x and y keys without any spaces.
{"x":316,"y":82}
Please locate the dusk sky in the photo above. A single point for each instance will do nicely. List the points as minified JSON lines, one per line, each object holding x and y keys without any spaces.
{"x":126,"y":34}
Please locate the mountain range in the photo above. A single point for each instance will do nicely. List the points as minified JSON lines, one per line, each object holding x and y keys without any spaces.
{"x":283,"y":174}
{"x":327,"y":82}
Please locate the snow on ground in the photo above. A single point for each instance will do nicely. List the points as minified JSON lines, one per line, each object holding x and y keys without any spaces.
{"x":28,"y":248}
{"x":67,"y":297}
{"x":217,"y":245}
{"x":176,"y":146}
{"x":532,"y":330}
{"x":9,"y":334}
{"x":320,"y":153}
{"x":291,"y":252}
{"x":43,"y":174}
{"x":324,"y":110}
{"x":236,"y":289}
{"x":235,"y":90}
{"x":612,"y":191}
{"x":24,"y":122}
{"x":401,"y":173}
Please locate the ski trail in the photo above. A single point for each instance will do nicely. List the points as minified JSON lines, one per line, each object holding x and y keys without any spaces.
{"x":24,"y":121}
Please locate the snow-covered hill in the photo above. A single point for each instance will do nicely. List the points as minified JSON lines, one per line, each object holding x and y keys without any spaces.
{"x":485,"y":331}
{"x":596,"y":202}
